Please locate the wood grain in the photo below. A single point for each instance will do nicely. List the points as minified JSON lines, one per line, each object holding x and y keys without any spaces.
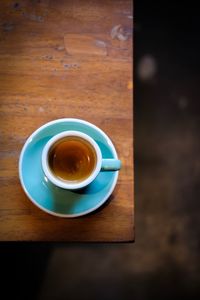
{"x":58,"y":59}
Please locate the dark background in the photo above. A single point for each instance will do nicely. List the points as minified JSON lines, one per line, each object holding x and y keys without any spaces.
{"x":164,"y":261}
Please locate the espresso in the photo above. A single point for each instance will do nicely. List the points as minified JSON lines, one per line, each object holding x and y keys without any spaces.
{"x":72,"y":159}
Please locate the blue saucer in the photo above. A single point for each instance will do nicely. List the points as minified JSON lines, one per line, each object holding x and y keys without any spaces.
{"x":54,"y":200}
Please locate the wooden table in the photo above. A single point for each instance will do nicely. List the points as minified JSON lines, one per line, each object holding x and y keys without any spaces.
{"x":61,"y":59}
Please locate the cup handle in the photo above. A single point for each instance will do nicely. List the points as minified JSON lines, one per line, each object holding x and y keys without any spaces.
{"x":110,"y":164}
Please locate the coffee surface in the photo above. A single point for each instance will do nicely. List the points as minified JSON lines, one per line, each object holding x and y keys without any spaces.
{"x":72,"y":159}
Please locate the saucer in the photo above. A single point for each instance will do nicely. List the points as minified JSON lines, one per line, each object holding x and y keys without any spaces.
{"x":54,"y":200}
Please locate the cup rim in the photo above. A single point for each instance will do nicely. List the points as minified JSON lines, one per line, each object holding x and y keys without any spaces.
{"x":60,"y":183}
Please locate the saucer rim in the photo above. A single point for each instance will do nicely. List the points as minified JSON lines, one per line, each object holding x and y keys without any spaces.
{"x":29,"y":140}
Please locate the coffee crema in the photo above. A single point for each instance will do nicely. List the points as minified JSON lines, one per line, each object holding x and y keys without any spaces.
{"x":72,"y":159}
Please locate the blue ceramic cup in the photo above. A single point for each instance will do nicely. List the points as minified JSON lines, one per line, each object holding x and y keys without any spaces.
{"x":101,"y":163}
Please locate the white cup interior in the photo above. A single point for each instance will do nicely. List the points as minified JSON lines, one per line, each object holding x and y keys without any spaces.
{"x":65,"y":184}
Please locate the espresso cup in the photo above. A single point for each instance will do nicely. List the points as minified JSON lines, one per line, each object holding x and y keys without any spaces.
{"x":72,"y":160}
